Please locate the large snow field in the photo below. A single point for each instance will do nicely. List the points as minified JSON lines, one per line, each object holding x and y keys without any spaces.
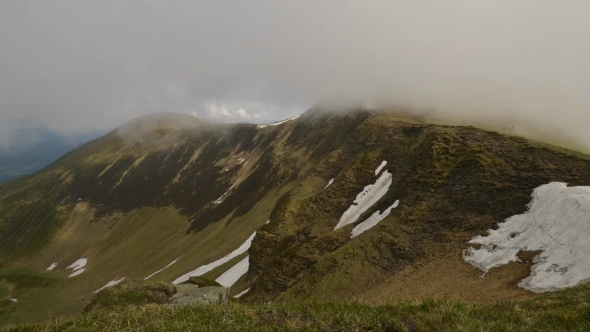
{"x":373,"y":220}
{"x":232,"y":275}
{"x":208,"y":267}
{"x":365,"y":199}
{"x":557,"y":224}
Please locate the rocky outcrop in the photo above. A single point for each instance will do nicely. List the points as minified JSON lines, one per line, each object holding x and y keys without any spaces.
{"x":187,"y":294}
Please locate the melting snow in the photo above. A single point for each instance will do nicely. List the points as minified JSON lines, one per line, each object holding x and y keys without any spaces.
{"x":15,"y":300}
{"x":109,"y":284}
{"x":234,"y":273}
{"x":230,"y":188}
{"x":78,"y":272}
{"x":78,"y":264}
{"x":558,"y":224}
{"x":365,"y":199}
{"x":52,"y":266}
{"x":372,"y":221}
{"x":208,"y":267}
{"x":329,"y":183}
{"x":278,"y":123}
{"x":383,"y":163}
{"x":242,"y":293}
{"x":162,"y":269}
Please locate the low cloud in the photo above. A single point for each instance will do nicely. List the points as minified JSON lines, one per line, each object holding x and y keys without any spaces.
{"x":216,"y":111}
{"x":242,"y":114}
{"x":77,"y":66}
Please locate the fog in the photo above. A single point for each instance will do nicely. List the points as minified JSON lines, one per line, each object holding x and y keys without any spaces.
{"x":76,"y":66}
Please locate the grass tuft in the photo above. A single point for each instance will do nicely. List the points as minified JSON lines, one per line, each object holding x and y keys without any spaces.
{"x":132,"y":292}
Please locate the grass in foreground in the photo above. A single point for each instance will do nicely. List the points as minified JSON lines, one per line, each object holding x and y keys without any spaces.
{"x":133,"y":292}
{"x":567,"y":310}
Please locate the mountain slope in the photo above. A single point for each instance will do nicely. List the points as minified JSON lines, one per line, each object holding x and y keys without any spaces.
{"x":169,"y":194}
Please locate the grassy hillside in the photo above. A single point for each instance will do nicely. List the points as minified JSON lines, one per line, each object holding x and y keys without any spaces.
{"x":165,"y":189}
{"x":562,"y":311}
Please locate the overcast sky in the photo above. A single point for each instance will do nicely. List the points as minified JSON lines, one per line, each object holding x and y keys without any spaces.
{"x":84,"y":65}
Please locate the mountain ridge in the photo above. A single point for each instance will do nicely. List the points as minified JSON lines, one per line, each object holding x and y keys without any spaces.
{"x":174,"y":199}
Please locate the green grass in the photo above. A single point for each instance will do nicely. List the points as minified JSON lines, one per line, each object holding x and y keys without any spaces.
{"x":25,"y":279}
{"x":20,"y":284}
{"x":567,"y":310}
{"x":134,"y":292}
{"x":202,"y":282}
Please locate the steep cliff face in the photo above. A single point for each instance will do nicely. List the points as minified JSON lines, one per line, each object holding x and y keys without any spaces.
{"x":164,"y":195}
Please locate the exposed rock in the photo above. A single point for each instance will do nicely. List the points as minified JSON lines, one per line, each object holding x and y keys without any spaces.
{"x":188,"y":294}
{"x":201,"y":282}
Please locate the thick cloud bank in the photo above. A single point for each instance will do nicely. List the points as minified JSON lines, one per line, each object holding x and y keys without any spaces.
{"x":78,"y":65}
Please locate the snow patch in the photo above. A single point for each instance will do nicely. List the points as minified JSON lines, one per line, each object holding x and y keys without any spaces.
{"x":383,"y":163}
{"x":230,"y":188}
{"x":279,"y":122}
{"x":267,"y":221}
{"x":78,"y":264}
{"x":78,"y":272}
{"x":242,"y":293}
{"x":234,"y":273}
{"x":162,"y":269}
{"x":558,"y":224}
{"x":329,"y":183}
{"x":52,"y":266}
{"x":373,"y":220}
{"x":241,"y":160}
{"x":109,"y":284}
{"x":365,"y":199}
{"x":16,"y":300}
{"x":208,"y":267}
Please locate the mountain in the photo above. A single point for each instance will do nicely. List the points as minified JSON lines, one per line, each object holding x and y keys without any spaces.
{"x":329,"y":206}
{"x":35,"y":148}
